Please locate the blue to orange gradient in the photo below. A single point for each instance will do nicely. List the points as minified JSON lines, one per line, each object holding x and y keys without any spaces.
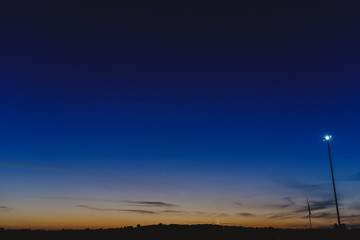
{"x":118,"y":115}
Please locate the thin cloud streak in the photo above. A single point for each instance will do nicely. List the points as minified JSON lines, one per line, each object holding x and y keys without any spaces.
{"x":116,"y":209}
{"x":245,"y":214}
{"x":296,"y":211}
{"x":211,"y":214}
{"x":304,"y":186}
{"x":289,"y":203}
{"x":318,"y":205}
{"x":285,"y":215}
{"x":130,"y":202}
{"x":151,"y":204}
{"x":5,"y":208}
{"x":301,"y":212}
{"x":325,"y":215}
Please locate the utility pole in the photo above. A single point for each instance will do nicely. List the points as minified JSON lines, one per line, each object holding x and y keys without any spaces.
{"x":307,"y":199}
{"x":327,"y":139}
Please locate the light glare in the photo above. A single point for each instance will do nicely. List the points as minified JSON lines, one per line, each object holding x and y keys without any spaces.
{"x":327,"y":137}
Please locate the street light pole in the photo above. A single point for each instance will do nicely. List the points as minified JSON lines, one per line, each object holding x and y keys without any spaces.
{"x":327,"y":139}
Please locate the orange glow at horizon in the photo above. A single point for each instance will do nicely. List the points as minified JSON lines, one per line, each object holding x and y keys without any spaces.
{"x":106,"y":220}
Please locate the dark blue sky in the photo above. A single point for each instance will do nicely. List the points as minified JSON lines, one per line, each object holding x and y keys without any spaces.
{"x":211,"y":93}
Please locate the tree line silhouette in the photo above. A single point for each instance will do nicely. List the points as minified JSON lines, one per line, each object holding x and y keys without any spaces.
{"x":174,"y":231}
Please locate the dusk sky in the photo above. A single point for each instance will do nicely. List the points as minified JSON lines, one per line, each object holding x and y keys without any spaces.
{"x":116,"y":114}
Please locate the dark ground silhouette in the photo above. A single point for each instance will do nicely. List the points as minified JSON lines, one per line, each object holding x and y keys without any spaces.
{"x":185,"y":232}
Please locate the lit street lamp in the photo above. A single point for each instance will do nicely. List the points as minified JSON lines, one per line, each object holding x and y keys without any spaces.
{"x":327,"y":139}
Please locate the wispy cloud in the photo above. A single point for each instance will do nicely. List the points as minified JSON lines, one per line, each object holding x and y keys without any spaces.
{"x":116,"y":209}
{"x":332,"y":215}
{"x":354,"y":206}
{"x":307,"y":187}
{"x":354,"y":216}
{"x":285,"y":215}
{"x":287,"y":202}
{"x":173,"y":211}
{"x":222,"y":215}
{"x":127,"y":202}
{"x":151,"y":204}
{"x":318,"y":205}
{"x":301,"y":211}
{"x":245,"y":214}
{"x":5,"y":208}
{"x":326,"y":215}
{"x":324,"y":204}
{"x":238,"y":203}
{"x":212,"y":214}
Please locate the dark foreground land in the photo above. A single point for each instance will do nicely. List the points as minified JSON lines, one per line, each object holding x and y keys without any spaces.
{"x":185,"y":232}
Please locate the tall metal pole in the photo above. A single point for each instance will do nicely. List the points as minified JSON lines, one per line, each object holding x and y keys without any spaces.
{"x":333,"y":181}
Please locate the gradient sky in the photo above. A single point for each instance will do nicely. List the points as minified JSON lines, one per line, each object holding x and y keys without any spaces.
{"x":116,"y":114}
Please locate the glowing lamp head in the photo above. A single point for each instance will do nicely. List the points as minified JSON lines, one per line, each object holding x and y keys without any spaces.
{"x":327,"y":138}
